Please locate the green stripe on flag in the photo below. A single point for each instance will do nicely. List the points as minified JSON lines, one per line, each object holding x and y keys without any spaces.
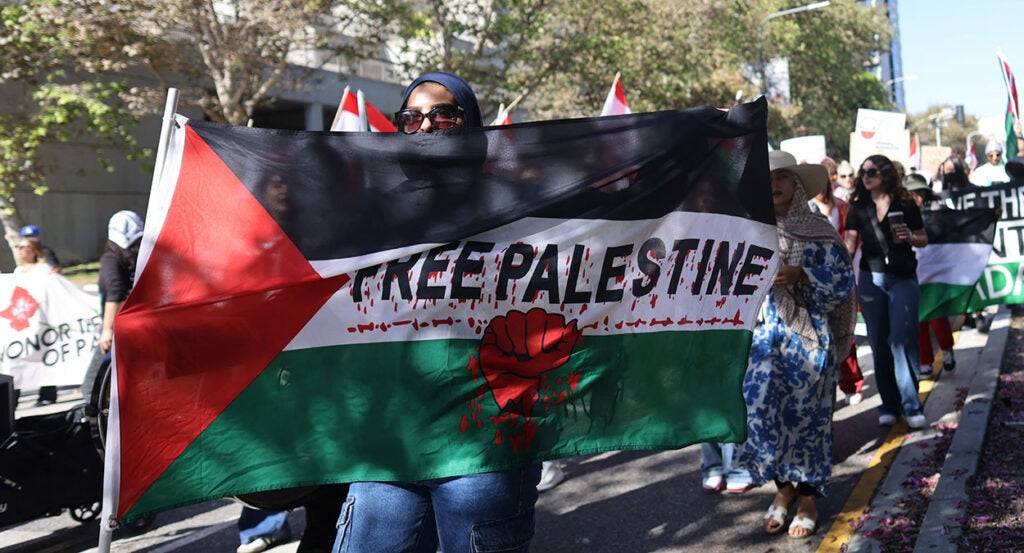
{"x":944,"y":300}
{"x":407,"y":410}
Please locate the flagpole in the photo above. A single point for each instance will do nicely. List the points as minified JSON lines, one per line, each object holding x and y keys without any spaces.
{"x":111,"y":461}
{"x":364,"y":124}
{"x":500,"y":116}
{"x":170,"y":108}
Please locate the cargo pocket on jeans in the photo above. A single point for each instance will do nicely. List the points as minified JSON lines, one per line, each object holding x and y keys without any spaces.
{"x":510,"y":535}
{"x":344,"y":526}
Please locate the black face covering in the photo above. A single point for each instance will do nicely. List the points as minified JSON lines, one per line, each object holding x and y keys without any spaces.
{"x":953,"y":181}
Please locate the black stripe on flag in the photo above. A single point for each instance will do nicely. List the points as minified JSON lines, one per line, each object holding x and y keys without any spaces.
{"x":350,"y":194}
{"x":958,"y":226}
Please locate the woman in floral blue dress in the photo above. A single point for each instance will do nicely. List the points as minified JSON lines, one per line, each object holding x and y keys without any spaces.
{"x":807,"y":326}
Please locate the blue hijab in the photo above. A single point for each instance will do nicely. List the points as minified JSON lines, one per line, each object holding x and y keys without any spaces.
{"x":459,"y":88}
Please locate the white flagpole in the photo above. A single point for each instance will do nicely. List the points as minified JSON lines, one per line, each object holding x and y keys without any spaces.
{"x":112,"y":450}
{"x":364,"y":123}
{"x":500,"y":116}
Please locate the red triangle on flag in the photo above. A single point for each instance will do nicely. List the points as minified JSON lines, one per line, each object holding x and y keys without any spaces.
{"x":223,"y":292}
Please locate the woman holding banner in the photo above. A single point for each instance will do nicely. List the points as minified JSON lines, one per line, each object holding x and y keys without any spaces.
{"x":888,"y":225}
{"x":806,"y":326}
{"x":31,"y":258}
{"x":493,"y":510}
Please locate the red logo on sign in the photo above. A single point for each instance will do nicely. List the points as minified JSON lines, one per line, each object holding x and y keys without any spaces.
{"x":21,"y":309}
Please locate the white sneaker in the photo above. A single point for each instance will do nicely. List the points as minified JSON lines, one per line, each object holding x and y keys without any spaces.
{"x":255,"y":546}
{"x":917,"y":422}
{"x":854,"y":399}
{"x":886,"y":420}
{"x":713,"y":483}
{"x":551,"y":475}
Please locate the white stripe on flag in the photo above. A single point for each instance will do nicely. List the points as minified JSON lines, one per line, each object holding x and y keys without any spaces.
{"x":956,"y":263}
{"x":377,"y":319}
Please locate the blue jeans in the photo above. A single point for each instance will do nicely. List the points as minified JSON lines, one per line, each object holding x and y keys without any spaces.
{"x":257,"y":523}
{"x":890,"y":308}
{"x":719,"y":459}
{"x":493,"y":511}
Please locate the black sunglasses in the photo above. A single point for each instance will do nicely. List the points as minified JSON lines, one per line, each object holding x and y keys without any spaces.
{"x":873,"y":172}
{"x":443,"y":116}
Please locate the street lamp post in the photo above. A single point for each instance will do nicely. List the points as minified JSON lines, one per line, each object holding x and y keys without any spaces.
{"x":760,"y":35}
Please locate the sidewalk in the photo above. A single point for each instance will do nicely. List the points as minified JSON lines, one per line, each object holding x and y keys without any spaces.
{"x":958,"y":405}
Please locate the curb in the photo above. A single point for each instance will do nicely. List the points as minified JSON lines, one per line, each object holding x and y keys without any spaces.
{"x":942,"y":523}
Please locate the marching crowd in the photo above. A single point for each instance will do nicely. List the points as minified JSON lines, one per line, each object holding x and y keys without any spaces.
{"x":847,"y":239}
{"x":828,"y":215}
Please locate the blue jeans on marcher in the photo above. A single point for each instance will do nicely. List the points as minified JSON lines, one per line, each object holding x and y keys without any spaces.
{"x":890,"y":307}
{"x":492,"y":511}
{"x":258,"y":523}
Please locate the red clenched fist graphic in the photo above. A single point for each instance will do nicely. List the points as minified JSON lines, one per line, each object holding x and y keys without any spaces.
{"x":518,"y":348}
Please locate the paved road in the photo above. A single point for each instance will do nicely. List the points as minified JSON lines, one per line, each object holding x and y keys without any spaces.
{"x":648,"y":501}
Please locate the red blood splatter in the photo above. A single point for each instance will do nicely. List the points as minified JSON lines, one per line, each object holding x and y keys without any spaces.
{"x":574,"y":380}
{"x":464,"y":425}
{"x":721,"y":302}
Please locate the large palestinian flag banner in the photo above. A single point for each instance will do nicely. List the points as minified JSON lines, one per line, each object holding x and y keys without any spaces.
{"x":317,"y":308}
{"x":1002,"y":281}
{"x":958,"y":250}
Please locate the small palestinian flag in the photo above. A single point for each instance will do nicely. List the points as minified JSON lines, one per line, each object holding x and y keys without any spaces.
{"x":959,"y":245}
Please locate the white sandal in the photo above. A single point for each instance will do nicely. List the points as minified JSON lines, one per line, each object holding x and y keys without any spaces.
{"x":805,"y":523}
{"x":777,"y":514}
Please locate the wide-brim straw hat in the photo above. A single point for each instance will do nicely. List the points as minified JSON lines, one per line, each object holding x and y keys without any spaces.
{"x":813,"y":176}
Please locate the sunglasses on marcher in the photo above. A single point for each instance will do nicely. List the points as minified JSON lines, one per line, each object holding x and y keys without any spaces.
{"x":443,"y":116}
{"x":846,"y":176}
{"x":873,"y":172}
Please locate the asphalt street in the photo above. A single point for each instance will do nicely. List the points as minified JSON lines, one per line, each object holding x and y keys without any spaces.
{"x":622,"y":501}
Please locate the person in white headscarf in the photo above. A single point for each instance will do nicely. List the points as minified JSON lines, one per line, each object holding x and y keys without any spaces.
{"x":806,"y":327}
{"x":993,"y":170}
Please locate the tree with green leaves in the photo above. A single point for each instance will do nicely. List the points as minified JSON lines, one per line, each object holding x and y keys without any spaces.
{"x":561,"y":55}
{"x":52,"y":100}
{"x":85,"y":70}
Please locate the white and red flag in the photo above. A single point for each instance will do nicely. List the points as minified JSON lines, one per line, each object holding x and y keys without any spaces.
{"x":616,"y":103}
{"x":351,"y":118}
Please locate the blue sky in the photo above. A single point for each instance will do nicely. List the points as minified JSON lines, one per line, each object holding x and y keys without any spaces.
{"x":951,"y":47}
